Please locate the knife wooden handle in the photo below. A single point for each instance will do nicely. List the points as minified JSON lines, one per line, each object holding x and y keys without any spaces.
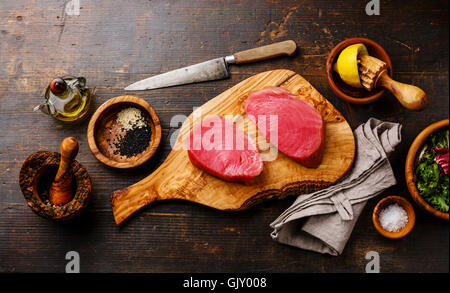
{"x":266,"y":52}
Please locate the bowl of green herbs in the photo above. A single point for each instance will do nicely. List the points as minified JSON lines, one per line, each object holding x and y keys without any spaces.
{"x":427,"y":169}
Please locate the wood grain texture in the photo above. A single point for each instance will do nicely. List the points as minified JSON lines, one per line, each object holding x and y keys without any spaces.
{"x":266,"y":52}
{"x":411,"y":164}
{"x":36,"y":180}
{"x":407,"y":207}
{"x":103,"y":128}
{"x":178,"y":178}
{"x":346,"y":92}
{"x":410,"y":96}
{"x":115,"y":44}
{"x":374,"y":73}
{"x":61,"y":189}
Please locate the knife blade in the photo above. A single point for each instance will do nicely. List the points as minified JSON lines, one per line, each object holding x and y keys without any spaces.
{"x":213,"y":69}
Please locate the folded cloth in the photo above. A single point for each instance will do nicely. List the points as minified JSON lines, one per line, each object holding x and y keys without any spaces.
{"x":323,"y":221}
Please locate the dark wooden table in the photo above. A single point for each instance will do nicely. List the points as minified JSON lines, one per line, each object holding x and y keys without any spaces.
{"x":115,"y":43}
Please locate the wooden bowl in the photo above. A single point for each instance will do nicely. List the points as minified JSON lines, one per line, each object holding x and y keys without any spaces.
{"x":36,"y":176}
{"x":410,"y":166}
{"x":345,"y":91}
{"x":401,"y":202}
{"x":103,"y":128}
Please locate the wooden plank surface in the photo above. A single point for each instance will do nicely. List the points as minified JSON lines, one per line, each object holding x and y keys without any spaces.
{"x":116,"y":43}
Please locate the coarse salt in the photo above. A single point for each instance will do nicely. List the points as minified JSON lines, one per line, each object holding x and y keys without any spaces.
{"x":393,"y":218}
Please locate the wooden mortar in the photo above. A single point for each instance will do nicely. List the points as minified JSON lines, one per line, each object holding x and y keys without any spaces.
{"x":37,"y":182}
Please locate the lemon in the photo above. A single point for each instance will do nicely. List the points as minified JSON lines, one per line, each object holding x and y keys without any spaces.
{"x":347,"y":64}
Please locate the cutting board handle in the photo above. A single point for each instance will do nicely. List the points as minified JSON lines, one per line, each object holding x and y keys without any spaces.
{"x":266,"y":52}
{"x":126,"y":202}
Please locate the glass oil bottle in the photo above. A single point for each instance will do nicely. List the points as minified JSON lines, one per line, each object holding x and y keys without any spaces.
{"x":67,"y":99}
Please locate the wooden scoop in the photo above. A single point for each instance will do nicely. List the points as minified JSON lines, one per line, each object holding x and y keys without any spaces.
{"x":61,"y":188}
{"x":373,"y":74}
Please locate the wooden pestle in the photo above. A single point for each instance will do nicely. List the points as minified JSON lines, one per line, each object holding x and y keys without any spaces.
{"x":61,"y":188}
{"x":373,"y":74}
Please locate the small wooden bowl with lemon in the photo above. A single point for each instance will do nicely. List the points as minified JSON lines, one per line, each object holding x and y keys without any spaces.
{"x":351,"y":90}
{"x":359,"y":70}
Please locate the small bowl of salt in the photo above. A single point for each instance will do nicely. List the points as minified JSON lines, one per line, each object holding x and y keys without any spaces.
{"x":394,"y":217}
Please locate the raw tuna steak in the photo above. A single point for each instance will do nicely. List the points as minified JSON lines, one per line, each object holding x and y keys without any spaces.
{"x":217,"y":146}
{"x":300,"y":130}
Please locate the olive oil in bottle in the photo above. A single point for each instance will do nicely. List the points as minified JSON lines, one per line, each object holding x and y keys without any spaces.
{"x":67,"y":99}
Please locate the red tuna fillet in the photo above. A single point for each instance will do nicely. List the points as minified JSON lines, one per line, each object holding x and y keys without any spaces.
{"x":218,"y":147}
{"x":301,"y":129}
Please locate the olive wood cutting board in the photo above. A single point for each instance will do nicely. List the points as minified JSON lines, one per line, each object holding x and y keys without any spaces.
{"x":178,"y":178}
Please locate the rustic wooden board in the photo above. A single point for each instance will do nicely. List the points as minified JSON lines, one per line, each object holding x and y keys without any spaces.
{"x":178,"y":178}
{"x":38,"y":42}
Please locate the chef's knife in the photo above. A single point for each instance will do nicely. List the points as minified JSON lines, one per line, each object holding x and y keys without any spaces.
{"x":213,"y":69}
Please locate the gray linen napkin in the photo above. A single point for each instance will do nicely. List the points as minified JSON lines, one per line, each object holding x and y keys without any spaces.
{"x":323,"y":221}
